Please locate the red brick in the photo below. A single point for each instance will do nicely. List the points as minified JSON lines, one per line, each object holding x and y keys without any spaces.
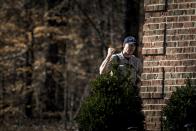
{"x":183,"y":31}
{"x":172,"y":6}
{"x":170,"y":82}
{"x":160,"y":7}
{"x":169,"y":69}
{"x":156,"y":82}
{"x":156,"y":69}
{"x":151,"y":95}
{"x":189,"y":62}
{"x":152,"y":76}
{"x":192,"y":56}
{"x":180,"y":1}
{"x":191,"y":69}
{"x":193,"y":5}
{"x":148,"y":89}
{"x":171,"y":57}
{"x":154,"y":26}
{"x":145,"y":70}
{"x":172,"y":44}
{"x":147,"y":33}
{"x":158,"y":20}
{"x":153,"y":38}
{"x":154,"y":101}
{"x":158,"y":32}
{"x":172,"y":88}
{"x":152,"y":51}
{"x":153,"y":106}
{"x":148,"y":2}
{"x":171,"y":63}
{"x":192,"y":30}
{"x":150,"y":127}
{"x":188,"y":0}
{"x":193,"y":18}
{"x":162,"y":26}
{"x":183,"y":56}
{"x":189,"y":12}
{"x":181,"y":69}
{"x":174,"y":50}
{"x":172,"y":19}
{"x":157,"y":14}
{"x":193,"y":43}
{"x":187,"y":31}
{"x":190,"y":50}
{"x":145,"y":83}
{"x":188,"y":74}
{"x":153,"y":58}
{"x":184,"y":18}
{"x":175,"y":12}
{"x":180,"y":81}
{"x":172,"y":32}
{"x":184,"y":5}
{"x":153,"y":126}
{"x":188,"y":24}
{"x":178,"y":25}
{"x":183,"y":43}
{"x":154,"y":7}
{"x":153,"y":44}
{"x":181,"y":50}
{"x":170,"y":75}
{"x":152,"y":113}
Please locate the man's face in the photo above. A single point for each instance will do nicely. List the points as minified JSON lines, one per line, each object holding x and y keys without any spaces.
{"x":128,"y":49}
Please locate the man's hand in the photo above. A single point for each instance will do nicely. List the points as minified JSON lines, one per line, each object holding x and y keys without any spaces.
{"x":111,"y":51}
{"x":104,"y":65}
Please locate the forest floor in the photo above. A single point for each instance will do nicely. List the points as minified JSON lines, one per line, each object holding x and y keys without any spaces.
{"x":34,"y":125}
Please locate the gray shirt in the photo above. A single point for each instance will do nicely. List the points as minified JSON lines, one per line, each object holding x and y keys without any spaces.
{"x":124,"y":65}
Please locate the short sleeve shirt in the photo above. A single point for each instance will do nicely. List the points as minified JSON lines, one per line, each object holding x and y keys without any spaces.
{"x":124,"y":64}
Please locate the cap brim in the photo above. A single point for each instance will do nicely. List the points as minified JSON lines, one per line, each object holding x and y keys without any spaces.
{"x":131,"y":43}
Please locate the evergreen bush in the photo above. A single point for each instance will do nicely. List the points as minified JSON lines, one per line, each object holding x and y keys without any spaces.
{"x":180,"y":111}
{"x":113,"y":105}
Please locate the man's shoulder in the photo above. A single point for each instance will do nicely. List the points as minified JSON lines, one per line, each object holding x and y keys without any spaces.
{"x":136,"y":61}
{"x":135,"y":58}
{"x":117,"y":56}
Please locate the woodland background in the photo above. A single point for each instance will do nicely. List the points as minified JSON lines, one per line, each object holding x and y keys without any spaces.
{"x":49,"y":52}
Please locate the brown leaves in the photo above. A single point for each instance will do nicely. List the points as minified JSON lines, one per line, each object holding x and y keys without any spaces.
{"x":42,"y":31}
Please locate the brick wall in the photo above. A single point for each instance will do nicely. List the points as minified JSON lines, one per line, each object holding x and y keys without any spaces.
{"x":169,"y":53}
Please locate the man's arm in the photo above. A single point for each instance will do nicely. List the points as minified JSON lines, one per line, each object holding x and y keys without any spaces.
{"x":105,"y":64}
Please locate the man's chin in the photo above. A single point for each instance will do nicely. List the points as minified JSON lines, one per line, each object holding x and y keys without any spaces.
{"x":128,"y":54}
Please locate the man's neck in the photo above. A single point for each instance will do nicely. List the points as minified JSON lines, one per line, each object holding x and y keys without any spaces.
{"x":126,"y":56}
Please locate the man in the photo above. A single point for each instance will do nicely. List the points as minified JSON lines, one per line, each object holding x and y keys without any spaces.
{"x":125,"y":60}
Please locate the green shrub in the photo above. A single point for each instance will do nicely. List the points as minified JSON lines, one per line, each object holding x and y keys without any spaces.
{"x":113,"y":105}
{"x":181,"y":109}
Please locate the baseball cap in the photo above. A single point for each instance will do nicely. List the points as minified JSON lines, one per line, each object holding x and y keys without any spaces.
{"x":130,"y":40}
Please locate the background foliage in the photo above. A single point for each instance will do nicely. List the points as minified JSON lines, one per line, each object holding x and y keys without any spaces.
{"x":50,"y":49}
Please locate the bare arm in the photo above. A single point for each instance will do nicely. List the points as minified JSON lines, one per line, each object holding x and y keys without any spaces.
{"x":104,"y":66}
